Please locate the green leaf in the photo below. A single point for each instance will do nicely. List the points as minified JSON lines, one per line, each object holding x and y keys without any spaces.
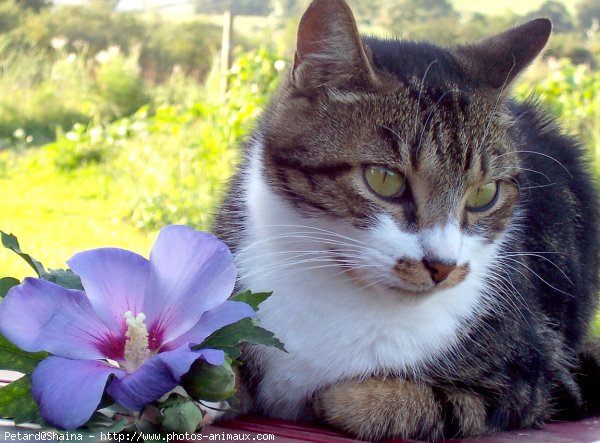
{"x":10,"y":241}
{"x":13,"y":358}
{"x":182,"y":417}
{"x":65,"y":278}
{"x":5,"y":284}
{"x":17,"y":403}
{"x":242,"y":331}
{"x":252,"y":298}
{"x":261,"y":336}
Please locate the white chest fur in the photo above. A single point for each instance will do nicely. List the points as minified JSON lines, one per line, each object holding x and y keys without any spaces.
{"x":332,"y":327}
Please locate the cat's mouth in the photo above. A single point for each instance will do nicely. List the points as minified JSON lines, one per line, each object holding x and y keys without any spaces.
{"x":408,"y":277}
{"x":425,"y":285}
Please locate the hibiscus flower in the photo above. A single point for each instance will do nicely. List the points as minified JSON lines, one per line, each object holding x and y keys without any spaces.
{"x":133,"y":328}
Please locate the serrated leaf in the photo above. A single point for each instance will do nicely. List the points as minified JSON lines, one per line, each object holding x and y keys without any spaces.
{"x":65,"y":278}
{"x":182,"y":417}
{"x":261,"y":336}
{"x":10,"y":241}
{"x":254,"y":299}
{"x":17,"y":403}
{"x":13,"y":358}
{"x":5,"y":284}
{"x":233,"y":352}
{"x":242,"y":331}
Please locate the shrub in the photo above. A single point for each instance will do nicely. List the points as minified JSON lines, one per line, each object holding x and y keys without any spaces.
{"x":572,"y":94}
{"x":119,"y":82}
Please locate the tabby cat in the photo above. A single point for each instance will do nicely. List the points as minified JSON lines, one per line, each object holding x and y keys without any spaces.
{"x":432,"y":244}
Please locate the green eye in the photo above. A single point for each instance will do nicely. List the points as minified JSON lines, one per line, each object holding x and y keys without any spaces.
{"x":384,"y":182}
{"x":483,"y":198}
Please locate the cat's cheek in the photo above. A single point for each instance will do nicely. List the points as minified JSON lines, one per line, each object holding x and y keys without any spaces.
{"x":390,"y":241}
{"x":476,"y":252}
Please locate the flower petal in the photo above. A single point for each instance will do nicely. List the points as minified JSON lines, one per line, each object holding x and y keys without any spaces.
{"x":215,"y":357}
{"x":192,"y":272}
{"x":41,"y":316}
{"x":69,"y":391}
{"x":114,"y":281}
{"x":211,"y":321}
{"x":158,"y":376}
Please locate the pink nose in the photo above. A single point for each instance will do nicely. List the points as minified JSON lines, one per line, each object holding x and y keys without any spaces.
{"x":439,"y":271}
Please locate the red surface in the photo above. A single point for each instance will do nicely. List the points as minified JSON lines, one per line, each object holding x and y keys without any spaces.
{"x":586,"y":431}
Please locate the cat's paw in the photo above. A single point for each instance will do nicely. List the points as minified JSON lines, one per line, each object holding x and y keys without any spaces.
{"x":376,"y":409}
{"x":464,"y":414}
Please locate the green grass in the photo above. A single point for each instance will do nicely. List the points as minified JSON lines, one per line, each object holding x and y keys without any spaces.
{"x":55,"y":216}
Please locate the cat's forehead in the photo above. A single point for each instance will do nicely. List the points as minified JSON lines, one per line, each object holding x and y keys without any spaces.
{"x":434,"y":66}
{"x":422,"y":128}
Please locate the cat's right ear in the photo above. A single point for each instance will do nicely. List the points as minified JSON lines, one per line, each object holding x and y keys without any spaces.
{"x":496,"y":61}
{"x":329,"y":51}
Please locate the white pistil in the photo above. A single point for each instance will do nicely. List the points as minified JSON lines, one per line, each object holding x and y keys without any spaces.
{"x":137,"y":350}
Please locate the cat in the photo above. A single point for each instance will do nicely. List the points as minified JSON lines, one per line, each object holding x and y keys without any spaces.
{"x":431,"y":244}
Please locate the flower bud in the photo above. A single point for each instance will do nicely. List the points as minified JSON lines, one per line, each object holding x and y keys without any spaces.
{"x":208,"y":382}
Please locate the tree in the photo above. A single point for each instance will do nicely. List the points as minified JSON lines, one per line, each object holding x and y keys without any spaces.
{"x":10,"y":16}
{"x":557,"y":12}
{"x":403,"y":11}
{"x":289,"y":8}
{"x":240,"y":7}
{"x":587,"y":12}
{"x":366,"y":11}
{"x":35,"y":5}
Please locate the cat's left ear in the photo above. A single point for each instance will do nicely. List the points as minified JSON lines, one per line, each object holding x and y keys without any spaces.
{"x":495,"y":62}
{"x":329,"y":50}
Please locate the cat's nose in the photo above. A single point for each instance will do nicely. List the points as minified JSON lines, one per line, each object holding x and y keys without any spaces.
{"x":439,"y":271}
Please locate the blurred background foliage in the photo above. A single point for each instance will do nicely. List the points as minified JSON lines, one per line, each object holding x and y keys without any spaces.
{"x":113,"y":122}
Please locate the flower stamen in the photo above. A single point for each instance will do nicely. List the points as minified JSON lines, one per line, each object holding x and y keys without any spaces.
{"x":137,"y":350}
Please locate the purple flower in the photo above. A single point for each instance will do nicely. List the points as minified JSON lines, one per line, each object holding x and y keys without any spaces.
{"x":136,"y":320}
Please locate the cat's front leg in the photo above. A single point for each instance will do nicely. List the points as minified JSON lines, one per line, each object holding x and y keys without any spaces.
{"x":376,"y":409}
{"x":588,"y":376}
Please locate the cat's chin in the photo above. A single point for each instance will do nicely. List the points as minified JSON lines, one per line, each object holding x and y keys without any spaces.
{"x":410,"y":292}
{"x":414,"y":293}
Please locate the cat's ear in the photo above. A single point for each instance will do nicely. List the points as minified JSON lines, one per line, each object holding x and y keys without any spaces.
{"x":495,"y":62}
{"x":329,"y":51}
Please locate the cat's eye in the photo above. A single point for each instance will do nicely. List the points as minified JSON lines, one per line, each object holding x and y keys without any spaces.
{"x":383,"y":181}
{"x":483,"y":198}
